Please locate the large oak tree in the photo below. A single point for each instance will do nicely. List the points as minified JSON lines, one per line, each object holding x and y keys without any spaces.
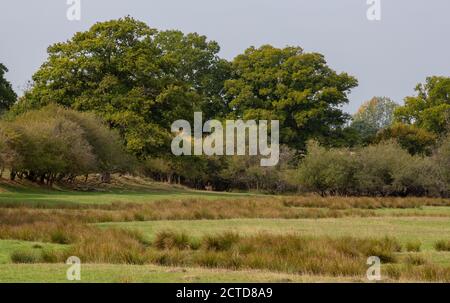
{"x":292,"y":86}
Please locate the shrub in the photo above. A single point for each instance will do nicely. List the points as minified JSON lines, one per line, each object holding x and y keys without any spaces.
{"x":328,"y":171}
{"x":442,"y":164}
{"x":54,"y":143}
{"x":375,"y":170}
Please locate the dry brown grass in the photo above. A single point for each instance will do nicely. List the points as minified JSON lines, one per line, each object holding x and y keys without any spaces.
{"x":173,"y":210}
{"x":363,"y":202}
{"x":195,"y":209}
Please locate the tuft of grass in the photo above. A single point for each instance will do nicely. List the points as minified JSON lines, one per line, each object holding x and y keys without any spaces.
{"x":113,"y":246}
{"x":442,"y":245}
{"x":413,"y":246}
{"x":392,"y":271}
{"x":414,"y":259}
{"x":171,"y":240}
{"x":221,"y":241}
{"x":26,"y":256}
{"x":60,"y":237}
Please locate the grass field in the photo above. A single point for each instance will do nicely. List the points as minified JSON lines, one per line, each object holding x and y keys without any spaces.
{"x":174,"y":241}
{"x":133,"y":194}
{"x":425,"y":229}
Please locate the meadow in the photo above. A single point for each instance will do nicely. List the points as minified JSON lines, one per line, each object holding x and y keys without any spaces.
{"x":134,"y":230}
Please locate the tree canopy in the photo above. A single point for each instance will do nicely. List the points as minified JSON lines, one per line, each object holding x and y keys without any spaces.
{"x":430,"y":109}
{"x":138,"y":79}
{"x":292,"y":86}
{"x":373,"y":116}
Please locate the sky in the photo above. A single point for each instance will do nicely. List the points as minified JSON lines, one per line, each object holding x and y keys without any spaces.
{"x":388,"y":57}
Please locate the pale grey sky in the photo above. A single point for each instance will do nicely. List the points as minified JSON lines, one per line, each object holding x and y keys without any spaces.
{"x":389,"y":57}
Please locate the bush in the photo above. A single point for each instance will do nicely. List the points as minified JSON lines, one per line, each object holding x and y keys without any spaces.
{"x":328,"y":171}
{"x":54,"y":143}
{"x":376,"y":170}
{"x":442,"y":164}
{"x":378,"y":165}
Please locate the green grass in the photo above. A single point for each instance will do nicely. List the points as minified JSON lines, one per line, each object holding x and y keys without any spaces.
{"x":7,"y":247}
{"x":102,"y":273}
{"x":425,"y":224}
{"x":426,"y":229}
{"x":33,"y":196}
{"x":443,"y":211}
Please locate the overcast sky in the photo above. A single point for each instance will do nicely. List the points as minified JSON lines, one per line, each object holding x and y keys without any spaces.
{"x":388,"y":57}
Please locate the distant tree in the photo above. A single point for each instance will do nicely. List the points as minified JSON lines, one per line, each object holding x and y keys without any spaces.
{"x":292,"y":86}
{"x":373,"y":116}
{"x":378,"y":112}
{"x":430,"y":109}
{"x":7,"y":94}
{"x":415,"y":140}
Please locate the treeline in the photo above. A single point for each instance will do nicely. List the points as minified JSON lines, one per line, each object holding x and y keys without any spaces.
{"x":104,"y":102}
{"x":226,"y":172}
{"x":57,"y":144}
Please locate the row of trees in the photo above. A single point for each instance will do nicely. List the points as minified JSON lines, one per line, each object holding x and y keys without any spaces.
{"x":138,"y":80}
{"x":226,"y":172}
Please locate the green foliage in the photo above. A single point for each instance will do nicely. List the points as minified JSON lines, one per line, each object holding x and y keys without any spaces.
{"x":327,"y":171}
{"x":415,"y":140}
{"x":442,"y":159}
{"x":380,"y":170}
{"x":246,"y":173}
{"x":430,"y":109}
{"x":378,"y":112}
{"x":7,"y":94}
{"x":138,"y":79}
{"x":53,"y":143}
{"x":373,"y":116}
{"x":297,"y":88}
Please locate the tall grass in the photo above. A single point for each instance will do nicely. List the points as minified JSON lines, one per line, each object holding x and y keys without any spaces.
{"x":442,"y":245}
{"x":195,"y":209}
